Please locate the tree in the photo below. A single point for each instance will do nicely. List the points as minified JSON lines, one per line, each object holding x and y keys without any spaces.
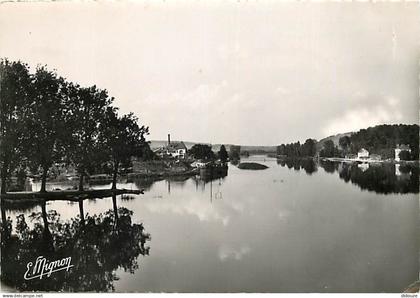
{"x":88,"y":107}
{"x":328,"y":149}
{"x":223,"y":155}
{"x":345,"y":143}
{"x":121,"y":138}
{"x":15,"y":82}
{"x":309,"y":148}
{"x":235,"y":152}
{"x":45,"y":127}
{"x":202,"y":151}
{"x":146,"y":152}
{"x":382,"y":139}
{"x":281,"y":149}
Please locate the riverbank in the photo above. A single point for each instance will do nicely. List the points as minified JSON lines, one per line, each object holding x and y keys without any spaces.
{"x":65,"y":195}
{"x":362,"y":160}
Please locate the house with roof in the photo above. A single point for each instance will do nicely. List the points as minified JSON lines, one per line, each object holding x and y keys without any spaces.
{"x":399,"y":149}
{"x":172,"y":149}
{"x":177,"y":150}
{"x":363,"y":154}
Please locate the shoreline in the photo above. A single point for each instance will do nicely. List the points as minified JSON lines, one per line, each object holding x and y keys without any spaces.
{"x":65,"y":195}
{"x":348,"y":160}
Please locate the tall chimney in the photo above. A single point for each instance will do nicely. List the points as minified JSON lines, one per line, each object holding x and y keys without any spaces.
{"x":169,"y":139}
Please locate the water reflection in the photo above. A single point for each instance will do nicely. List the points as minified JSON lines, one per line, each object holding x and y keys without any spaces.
{"x":309,"y":165}
{"x":98,"y":245}
{"x":329,"y":166}
{"x":384,"y":178}
{"x":381,"y":178}
{"x":324,"y":235}
{"x":205,"y":177}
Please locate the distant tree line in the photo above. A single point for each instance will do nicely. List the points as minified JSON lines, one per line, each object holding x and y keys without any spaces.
{"x":46,"y":120}
{"x":297,"y":150}
{"x":329,"y":149}
{"x":381,"y":140}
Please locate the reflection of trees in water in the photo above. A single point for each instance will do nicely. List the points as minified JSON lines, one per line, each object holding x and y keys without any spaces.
{"x":329,"y":166}
{"x":146,"y":183}
{"x":382,"y":178}
{"x":20,"y":205}
{"x":97,"y":247}
{"x":307,"y":164}
{"x":212,"y":174}
{"x":235,"y":162}
{"x":209,"y":178}
{"x":217,"y":173}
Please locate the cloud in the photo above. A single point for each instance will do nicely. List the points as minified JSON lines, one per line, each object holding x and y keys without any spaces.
{"x":364,"y":116}
{"x":245,"y":74}
{"x":200,"y":209}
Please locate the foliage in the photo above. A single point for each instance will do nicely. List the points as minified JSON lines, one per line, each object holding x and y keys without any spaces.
{"x":223,"y":155}
{"x":46,"y":120}
{"x":121,"y":138}
{"x":308,"y":149}
{"x":202,"y":151}
{"x":383,"y":139}
{"x":45,"y":132}
{"x":345,"y":143}
{"x":235,"y":152}
{"x":15,"y":82}
{"x":329,"y":150}
{"x":87,"y":108}
{"x":105,"y":243}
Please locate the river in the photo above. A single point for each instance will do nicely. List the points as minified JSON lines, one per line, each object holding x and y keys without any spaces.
{"x":290,"y":228}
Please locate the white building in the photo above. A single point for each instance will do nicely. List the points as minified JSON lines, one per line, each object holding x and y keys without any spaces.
{"x":363,"y":153}
{"x":399,"y":149}
{"x":172,"y":149}
{"x":363,"y":166}
{"x":177,"y":150}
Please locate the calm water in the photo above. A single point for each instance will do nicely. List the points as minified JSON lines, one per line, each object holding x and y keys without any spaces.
{"x":291,"y":228}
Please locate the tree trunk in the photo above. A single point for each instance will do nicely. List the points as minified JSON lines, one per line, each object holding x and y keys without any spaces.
{"x":3,"y":185}
{"x":3,"y":214}
{"x":114,"y":177}
{"x":81,"y":181}
{"x":44,"y":180}
{"x":4,"y":179}
{"x":114,"y":204}
{"x":82,"y":215}
{"x":44,"y":214}
{"x":47,"y":241}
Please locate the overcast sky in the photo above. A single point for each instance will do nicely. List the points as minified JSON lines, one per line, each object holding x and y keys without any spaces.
{"x":231,"y":72}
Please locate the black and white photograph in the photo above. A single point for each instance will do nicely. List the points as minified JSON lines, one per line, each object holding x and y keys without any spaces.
{"x":198,"y":146}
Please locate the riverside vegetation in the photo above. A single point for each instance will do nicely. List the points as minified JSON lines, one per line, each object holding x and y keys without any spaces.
{"x":47,"y":120}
